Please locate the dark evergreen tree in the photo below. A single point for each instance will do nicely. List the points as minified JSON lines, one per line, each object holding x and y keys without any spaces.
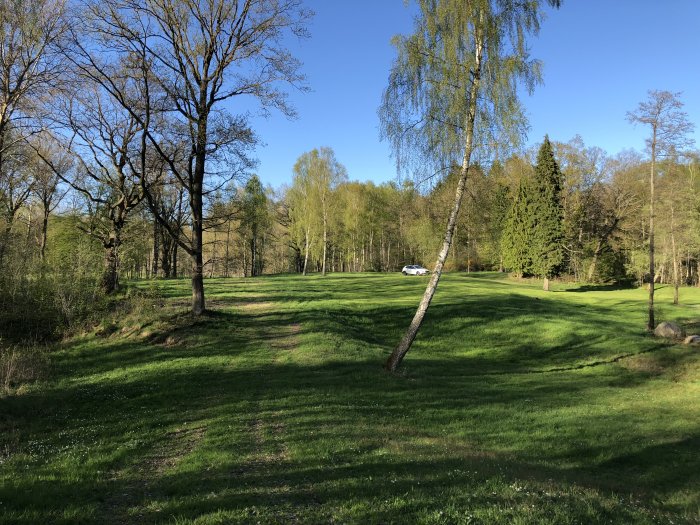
{"x":546,"y":244}
{"x":518,"y":231}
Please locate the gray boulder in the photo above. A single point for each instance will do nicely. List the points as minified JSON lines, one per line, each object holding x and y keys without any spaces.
{"x":669,"y":331}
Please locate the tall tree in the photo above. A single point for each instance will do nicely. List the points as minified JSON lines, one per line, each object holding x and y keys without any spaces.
{"x":107,"y":143}
{"x":303,"y":217}
{"x":453,"y":87}
{"x":16,"y":185}
{"x":189,"y":57}
{"x":30,"y":67}
{"x":326,"y":174}
{"x":547,"y":241}
{"x":255,"y":220}
{"x":669,"y":127}
{"x":517,"y":232}
{"x":48,"y":187}
{"x":312,"y":199}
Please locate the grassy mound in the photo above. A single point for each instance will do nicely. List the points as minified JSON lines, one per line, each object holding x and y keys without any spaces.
{"x":514,"y":406}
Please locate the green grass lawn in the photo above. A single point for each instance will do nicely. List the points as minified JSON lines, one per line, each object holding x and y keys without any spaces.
{"x":513,"y":406}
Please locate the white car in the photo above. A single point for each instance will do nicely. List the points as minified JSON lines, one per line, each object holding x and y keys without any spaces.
{"x":414,"y":269}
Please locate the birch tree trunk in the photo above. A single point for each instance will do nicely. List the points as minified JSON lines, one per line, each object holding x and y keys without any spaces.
{"x":325,"y":242}
{"x":409,"y":336}
{"x":306,"y":252}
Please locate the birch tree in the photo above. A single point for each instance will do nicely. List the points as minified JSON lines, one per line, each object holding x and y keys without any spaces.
{"x":255,"y":223}
{"x":453,"y":90}
{"x":300,"y":196}
{"x":326,"y":173}
{"x":669,"y":127}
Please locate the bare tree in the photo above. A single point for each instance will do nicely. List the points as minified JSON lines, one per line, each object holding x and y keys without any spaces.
{"x":669,"y":126}
{"x":16,"y":184}
{"x":48,"y":187}
{"x":192,"y":55}
{"x":107,"y":144}
{"x":29,"y":68}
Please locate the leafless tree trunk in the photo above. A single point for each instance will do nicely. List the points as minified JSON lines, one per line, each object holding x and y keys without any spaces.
{"x":192,"y":56}
{"x":110,"y":274}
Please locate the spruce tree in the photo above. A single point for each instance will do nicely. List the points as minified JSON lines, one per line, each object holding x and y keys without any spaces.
{"x":546,"y":244}
{"x":517,"y":233}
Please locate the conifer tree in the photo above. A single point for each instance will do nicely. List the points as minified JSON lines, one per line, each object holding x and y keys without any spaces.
{"x":517,"y":233}
{"x":546,"y":243}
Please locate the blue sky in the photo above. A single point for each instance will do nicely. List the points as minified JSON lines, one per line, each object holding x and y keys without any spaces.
{"x":600,"y":59}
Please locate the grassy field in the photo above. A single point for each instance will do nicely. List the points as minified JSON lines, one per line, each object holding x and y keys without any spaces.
{"x":514,"y":406}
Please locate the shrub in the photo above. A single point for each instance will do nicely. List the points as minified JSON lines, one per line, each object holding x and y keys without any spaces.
{"x":21,"y":364}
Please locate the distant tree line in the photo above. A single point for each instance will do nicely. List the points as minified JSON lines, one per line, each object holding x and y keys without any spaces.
{"x":589,"y":224}
{"x":597,"y":215}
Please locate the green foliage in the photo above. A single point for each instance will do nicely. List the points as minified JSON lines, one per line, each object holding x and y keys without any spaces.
{"x":517,"y":233}
{"x":274,"y":408}
{"x":39,"y":300}
{"x":425,"y":107}
{"x":610,"y":267}
{"x":533,"y":241}
{"x":547,"y":240}
{"x":255,"y":223}
{"x":313,"y":200}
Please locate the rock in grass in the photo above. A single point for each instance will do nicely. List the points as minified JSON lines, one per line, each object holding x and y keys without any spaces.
{"x":669,"y":331}
{"x":692,"y":340}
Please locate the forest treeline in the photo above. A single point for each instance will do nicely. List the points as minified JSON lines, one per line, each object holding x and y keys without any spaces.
{"x":362,"y":226}
{"x":369,"y":227}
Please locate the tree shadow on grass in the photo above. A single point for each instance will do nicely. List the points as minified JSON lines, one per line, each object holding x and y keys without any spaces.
{"x":283,"y":439}
{"x":612,"y":287}
{"x":337,"y":438}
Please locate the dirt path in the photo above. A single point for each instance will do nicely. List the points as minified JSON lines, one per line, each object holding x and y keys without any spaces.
{"x":267,"y":428}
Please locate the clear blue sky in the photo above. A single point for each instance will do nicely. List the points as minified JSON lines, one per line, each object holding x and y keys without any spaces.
{"x":600,"y":59}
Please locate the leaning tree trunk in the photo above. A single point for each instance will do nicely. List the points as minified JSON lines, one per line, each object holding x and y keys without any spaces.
{"x":409,"y":336}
